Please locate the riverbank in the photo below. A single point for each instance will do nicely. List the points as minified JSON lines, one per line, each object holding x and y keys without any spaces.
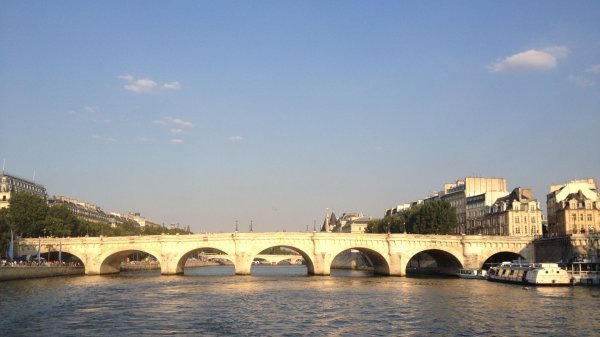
{"x":22,"y":273}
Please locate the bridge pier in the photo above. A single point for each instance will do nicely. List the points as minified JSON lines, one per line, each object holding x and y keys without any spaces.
{"x":395,"y":264}
{"x":243,"y":263}
{"x":322,"y":264}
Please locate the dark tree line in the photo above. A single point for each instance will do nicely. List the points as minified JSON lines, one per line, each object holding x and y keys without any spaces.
{"x":436,"y":217}
{"x":28,"y":215}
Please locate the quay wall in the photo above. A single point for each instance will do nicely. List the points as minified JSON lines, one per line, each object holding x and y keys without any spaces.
{"x":568,"y":248}
{"x":22,"y":273}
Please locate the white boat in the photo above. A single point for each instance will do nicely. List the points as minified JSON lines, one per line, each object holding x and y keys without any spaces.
{"x":529,"y":273}
{"x":478,"y":274}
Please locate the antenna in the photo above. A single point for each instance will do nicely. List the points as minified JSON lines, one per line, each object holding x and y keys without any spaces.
{"x":34,"y":175}
{"x":3,"y":165}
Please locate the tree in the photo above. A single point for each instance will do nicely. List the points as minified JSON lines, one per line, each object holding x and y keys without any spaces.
{"x":436,"y":217}
{"x":4,"y":232}
{"x":26,"y":213}
{"x":60,"y":221}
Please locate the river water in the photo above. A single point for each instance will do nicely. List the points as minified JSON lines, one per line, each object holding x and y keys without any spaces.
{"x":283,"y":301}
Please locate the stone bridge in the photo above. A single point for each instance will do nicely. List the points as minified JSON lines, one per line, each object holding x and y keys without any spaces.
{"x":389,"y":253}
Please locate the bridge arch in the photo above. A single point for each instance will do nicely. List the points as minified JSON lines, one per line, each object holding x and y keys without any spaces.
{"x":308,"y":259}
{"x":65,"y":249}
{"x":447,"y":261}
{"x":182,"y":259}
{"x":379,"y":260}
{"x":110,"y":262}
{"x":499,"y":257}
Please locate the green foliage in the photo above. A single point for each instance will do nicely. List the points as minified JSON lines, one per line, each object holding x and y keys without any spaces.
{"x":4,"y":232}
{"x":30,"y":216}
{"x":27,"y":213}
{"x":436,"y":217}
{"x":61,"y":222}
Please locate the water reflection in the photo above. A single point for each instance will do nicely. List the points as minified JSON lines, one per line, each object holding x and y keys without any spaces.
{"x":282,"y":301}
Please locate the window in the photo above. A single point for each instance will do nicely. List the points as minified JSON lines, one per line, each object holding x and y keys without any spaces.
{"x":533,"y":219}
{"x":533,"y":230}
{"x":517,"y":219}
{"x":589,"y":217}
{"x":574,"y":217}
{"x":525,"y":230}
{"x":517,"y":230}
{"x":525,"y":219}
{"x":580,"y":217}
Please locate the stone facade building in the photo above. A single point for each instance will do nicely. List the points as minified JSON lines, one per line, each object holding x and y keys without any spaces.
{"x":573,"y":208}
{"x":81,"y":209}
{"x":476,"y":207}
{"x":517,"y":214}
{"x":457,"y":193}
{"x":10,"y":184}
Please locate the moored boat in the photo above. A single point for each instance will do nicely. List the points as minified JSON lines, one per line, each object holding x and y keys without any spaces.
{"x":529,"y":273}
{"x":478,"y":274}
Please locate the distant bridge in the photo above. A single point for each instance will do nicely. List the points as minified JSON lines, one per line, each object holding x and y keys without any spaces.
{"x":389,"y":253}
{"x":267,"y":258}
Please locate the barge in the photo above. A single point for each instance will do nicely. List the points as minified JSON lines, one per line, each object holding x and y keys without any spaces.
{"x":541,"y":274}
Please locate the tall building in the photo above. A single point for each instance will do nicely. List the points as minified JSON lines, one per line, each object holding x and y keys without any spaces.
{"x":10,"y":184}
{"x":573,"y":208}
{"x":476,"y":207}
{"x":517,"y":214}
{"x":457,"y":193}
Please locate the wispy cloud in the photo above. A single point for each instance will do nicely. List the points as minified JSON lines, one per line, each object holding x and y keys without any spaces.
{"x":181,"y":122}
{"x":145,"y":85}
{"x":530,"y":60}
{"x":91,"y":109}
{"x":236,"y":138}
{"x":176,"y":141}
{"x":144,"y":140}
{"x":176,"y":130}
{"x":174,"y":121}
{"x":172,"y":85}
{"x":581,"y":81}
{"x":594,"y":69}
{"x":103,"y":139}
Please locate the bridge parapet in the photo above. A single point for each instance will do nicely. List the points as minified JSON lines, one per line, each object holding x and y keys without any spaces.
{"x":390,"y":253}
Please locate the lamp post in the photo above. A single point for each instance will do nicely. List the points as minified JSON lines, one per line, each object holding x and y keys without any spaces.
{"x":251,"y":229}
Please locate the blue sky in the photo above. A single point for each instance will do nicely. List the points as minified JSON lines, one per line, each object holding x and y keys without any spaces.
{"x":203,"y":113}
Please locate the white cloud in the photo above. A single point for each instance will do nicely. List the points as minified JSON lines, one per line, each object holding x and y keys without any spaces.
{"x":91,"y":109}
{"x":144,"y":140}
{"x":172,"y":85}
{"x":176,"y":141}
{"x":146,"y":85}
{"x":101,"y":139}
{"x":160,"y":122}
{"x":126,"y":77}
{"x":236,"y":138}
{"x":595,"y":69}
{"x":530,"y":60}
{"x":181,"y":122}
{"x":581,"y":81}
{"x":141,"y":86}
{"x":176,"y":130}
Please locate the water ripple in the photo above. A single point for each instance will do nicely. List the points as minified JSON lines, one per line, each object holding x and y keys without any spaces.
{"x":285,"y":303}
